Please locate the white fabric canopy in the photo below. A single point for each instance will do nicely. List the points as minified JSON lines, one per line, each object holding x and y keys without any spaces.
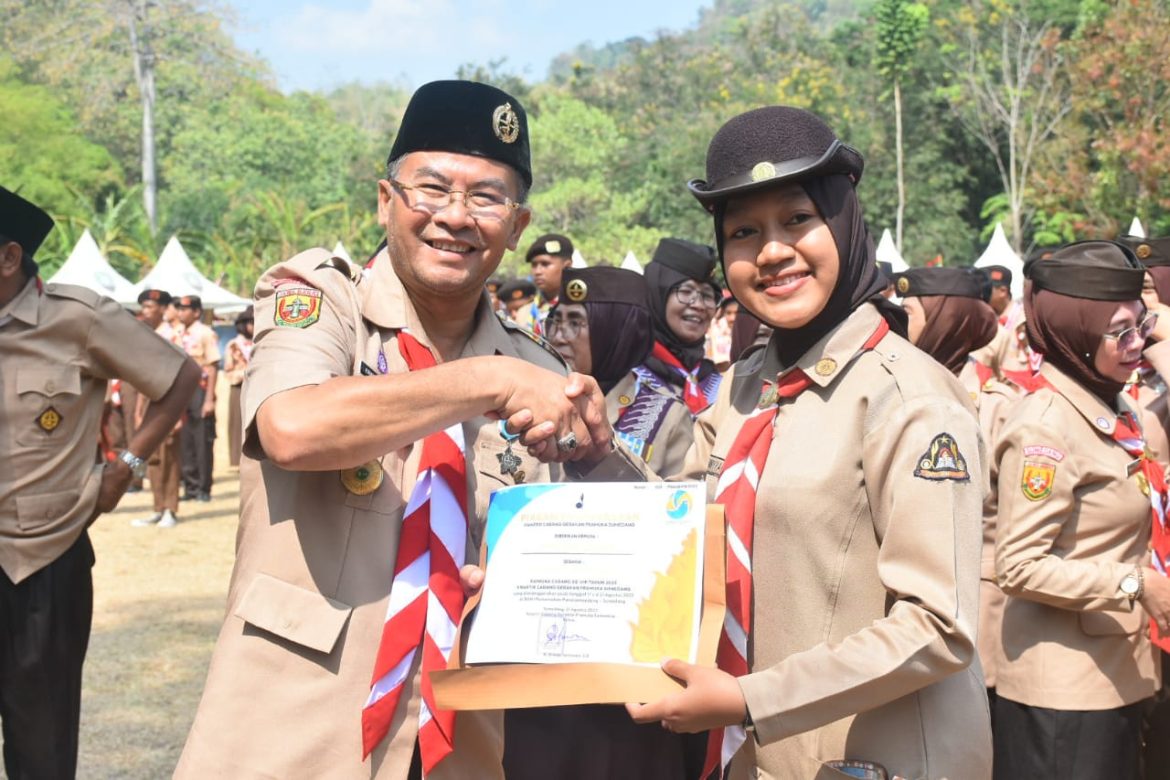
{"x":176,"y":274}
{"x":86,"y":267}
{"x":888,"y":253}
{"x":1000,"y":252}
{"x":630,"y":263}
{"x":579,"y":260}
{"x":1136,"y":229}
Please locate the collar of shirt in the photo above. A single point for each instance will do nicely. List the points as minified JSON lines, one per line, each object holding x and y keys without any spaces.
{"x":1092,"y":408}
{"x":825,"y":359}
{"x":24,"y":307}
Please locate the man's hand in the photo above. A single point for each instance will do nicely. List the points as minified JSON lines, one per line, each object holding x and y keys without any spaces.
{"x":712,"y":699}
{"x":543,"y":398}
{"x":116,"y":478}
{"x":208,"y":406}
{"x":471,"y":578}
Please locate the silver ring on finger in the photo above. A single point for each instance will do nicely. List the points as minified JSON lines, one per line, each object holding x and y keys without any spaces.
{"x":567,"y":443}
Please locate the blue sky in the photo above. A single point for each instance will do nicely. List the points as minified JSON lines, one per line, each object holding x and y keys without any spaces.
{"x":317,"y":44}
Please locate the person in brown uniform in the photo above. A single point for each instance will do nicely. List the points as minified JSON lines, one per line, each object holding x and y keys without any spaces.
{"x":235,"y":364}
{"x":60,"y":346}
{"x":653,"y":409}
{"x":851,"y":469}
{"x":197,"y":436}
{"x":1076,"y":488}
{"x":373,"y":404}
{"x":549,"y":257}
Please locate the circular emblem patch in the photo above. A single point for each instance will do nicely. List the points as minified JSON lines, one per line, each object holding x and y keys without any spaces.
{"x":903,"y":285}
{"x":49,"y":419}
{"x":825,"y":366}
{"x":1143,"y":251}
{"x":576,"y":290}
{"x":763,"y":170}
{"x":506,"y":124}
{"x":364,"y":479}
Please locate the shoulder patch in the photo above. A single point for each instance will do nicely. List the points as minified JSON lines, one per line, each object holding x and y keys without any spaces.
{"x":339,"y":264}
{"x":1036,"y":480}
{"x":298,"y":305}
{"x":1043,"y":451}
{"x":942,"y":460}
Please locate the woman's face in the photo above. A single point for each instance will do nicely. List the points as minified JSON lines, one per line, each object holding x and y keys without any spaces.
{"x":1149,"y":292}
{"x":1118,"y":358}
{"x":568,"y":332}
{"x":917,"y":318}
{"x":689,"y":321}
{"x":779,"y":256}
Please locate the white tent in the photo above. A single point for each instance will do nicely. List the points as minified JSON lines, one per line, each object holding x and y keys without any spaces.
{"x":1136,"y":229}
{"x":579,"y":259}
{"x":86,"y":267}
{"x":888,"y":253}
{"x":1000,"y":252}
{"x":176,"y":274}
{"x":339,"y":251}
{"x":630,"y":263}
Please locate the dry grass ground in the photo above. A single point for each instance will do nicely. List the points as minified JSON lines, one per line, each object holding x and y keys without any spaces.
{"x":159,"y":597}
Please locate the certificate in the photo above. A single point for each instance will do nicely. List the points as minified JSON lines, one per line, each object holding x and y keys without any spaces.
{"x":588,"y":587}
{"x":607,"y":572}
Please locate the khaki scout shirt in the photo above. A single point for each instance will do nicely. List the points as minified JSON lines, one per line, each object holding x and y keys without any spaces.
{"x":291,"y":669}
{"x":865,"y":577}
{"x":1153,"y":403}
{"x":668,"y":450}
{"x":1072,"y":524}
{"x":201,"y":343}
{"x":60,"y":348}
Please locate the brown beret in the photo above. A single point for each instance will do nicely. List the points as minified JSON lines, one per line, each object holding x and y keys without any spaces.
{"x":1096,"y":270}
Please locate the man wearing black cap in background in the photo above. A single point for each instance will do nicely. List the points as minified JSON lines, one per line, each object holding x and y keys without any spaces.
{"x":1000,"y":279}
{"x":61,"y":344}
{"x":549,"y":256}
{"x":362,"y":388}
{"x":197,"y":437}
{"x":518,"y":299}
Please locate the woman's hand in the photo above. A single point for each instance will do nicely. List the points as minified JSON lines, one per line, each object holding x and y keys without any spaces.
{"x":712,"y":699}
{"x":1155,"y":599}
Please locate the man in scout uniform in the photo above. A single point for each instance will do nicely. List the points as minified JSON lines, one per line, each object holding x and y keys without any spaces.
{"x":61,"y":344}
{"x":1000,"y":279}
{"x":197,"y":437}
{"x":518,"y":297}
{"x":373,"y":441}
{"x":549,"y":256}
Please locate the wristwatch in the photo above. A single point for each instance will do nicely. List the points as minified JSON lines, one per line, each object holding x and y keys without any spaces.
{"x":1133,"y":584}
{"x":137,"y":465}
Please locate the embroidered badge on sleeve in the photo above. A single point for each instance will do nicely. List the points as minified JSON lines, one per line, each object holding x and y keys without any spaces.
{"x":1036,"y":480}
{"x":942,"y":460}
{"x":297,"y":307}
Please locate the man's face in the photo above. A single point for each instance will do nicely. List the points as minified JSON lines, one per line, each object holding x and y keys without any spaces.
{"x":546,"y":273}
{"x":151,"y":313}
{"x":1001,"y":296}
{"x":448,"y":253}
{"x":187,"y":315}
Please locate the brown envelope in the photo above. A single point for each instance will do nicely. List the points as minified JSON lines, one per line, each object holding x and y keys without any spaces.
{"x":508,"y":686}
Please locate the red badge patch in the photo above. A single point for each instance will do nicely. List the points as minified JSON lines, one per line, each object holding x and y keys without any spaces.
{"x":297,"y":307}
{"x":1037,"y":479}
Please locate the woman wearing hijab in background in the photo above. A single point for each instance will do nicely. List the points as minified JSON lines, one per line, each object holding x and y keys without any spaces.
{"x":1078,"y":501}
{"x":850,"y":468}
{"x":653,"y":409}
{"x":949,"y":320}
{"x":235,"y":365}
{"x":601,"y":326}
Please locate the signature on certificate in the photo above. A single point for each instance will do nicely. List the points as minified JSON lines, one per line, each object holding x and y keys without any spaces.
{"x":553,"y":634}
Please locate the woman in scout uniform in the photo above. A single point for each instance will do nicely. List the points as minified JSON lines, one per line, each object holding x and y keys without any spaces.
{"x":949,"y":321}
{"x":601,"y":327}
{"x":851,"y":471}
{"x":653,"y":409}
{"x":1078,"y":499}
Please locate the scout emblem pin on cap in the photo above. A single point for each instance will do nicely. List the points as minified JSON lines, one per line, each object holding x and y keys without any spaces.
{"x":506,"y":123}
{"x":576,"y":290}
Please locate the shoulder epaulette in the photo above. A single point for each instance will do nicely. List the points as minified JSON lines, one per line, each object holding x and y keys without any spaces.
{"x":343,"y":266}
{"x":514,"y":329}
{"x":73,"y":292}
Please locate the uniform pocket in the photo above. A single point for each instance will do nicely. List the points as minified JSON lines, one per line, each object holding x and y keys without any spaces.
{"x":1113,"y":623}
{"x":47,"y":400}
{"x":35,"y":511}
{"x":301,"y":616}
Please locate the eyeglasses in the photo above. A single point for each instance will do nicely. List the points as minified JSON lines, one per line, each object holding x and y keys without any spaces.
{"x":480,"y":204}
{"x":1141,"y":331}
{"x":689,"y":296}
{"x":567,"y":328}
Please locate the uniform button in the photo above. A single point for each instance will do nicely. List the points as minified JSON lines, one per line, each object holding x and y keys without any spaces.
{"x":50,"y":387}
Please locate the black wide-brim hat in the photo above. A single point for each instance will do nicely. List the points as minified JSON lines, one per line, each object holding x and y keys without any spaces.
{"x":466,"y":117}
{"x":767,"y":146}
{"x":917,"y":282}
{"x":23,"y":222}
{"x":1095,"y":270}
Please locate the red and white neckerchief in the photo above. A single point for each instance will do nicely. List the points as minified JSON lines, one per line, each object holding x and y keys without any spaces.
{"x":1127,"y":433}
{"x":693,"y":395}
{"x":736,"y":490}
{"x":426,"y":598}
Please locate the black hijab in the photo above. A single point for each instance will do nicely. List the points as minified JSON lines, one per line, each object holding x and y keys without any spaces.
{"x":676,"y":262}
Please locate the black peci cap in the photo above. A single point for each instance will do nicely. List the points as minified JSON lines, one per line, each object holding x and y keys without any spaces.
{"x":466,"y":117}
{"x":917,"y":282}
{"x":161,"y":297}
{"x":998,"y":275}
{"x":1150,"y":252}
{"x":770,"y":145}
{"x":23,"y":222}
{"x":189,"y":302}
{"x":694,"y":261}
{"x":553,"y":244}
{"x":515,"y":290}
{"x":1096,"y":270}
{"x":602,"y":284}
